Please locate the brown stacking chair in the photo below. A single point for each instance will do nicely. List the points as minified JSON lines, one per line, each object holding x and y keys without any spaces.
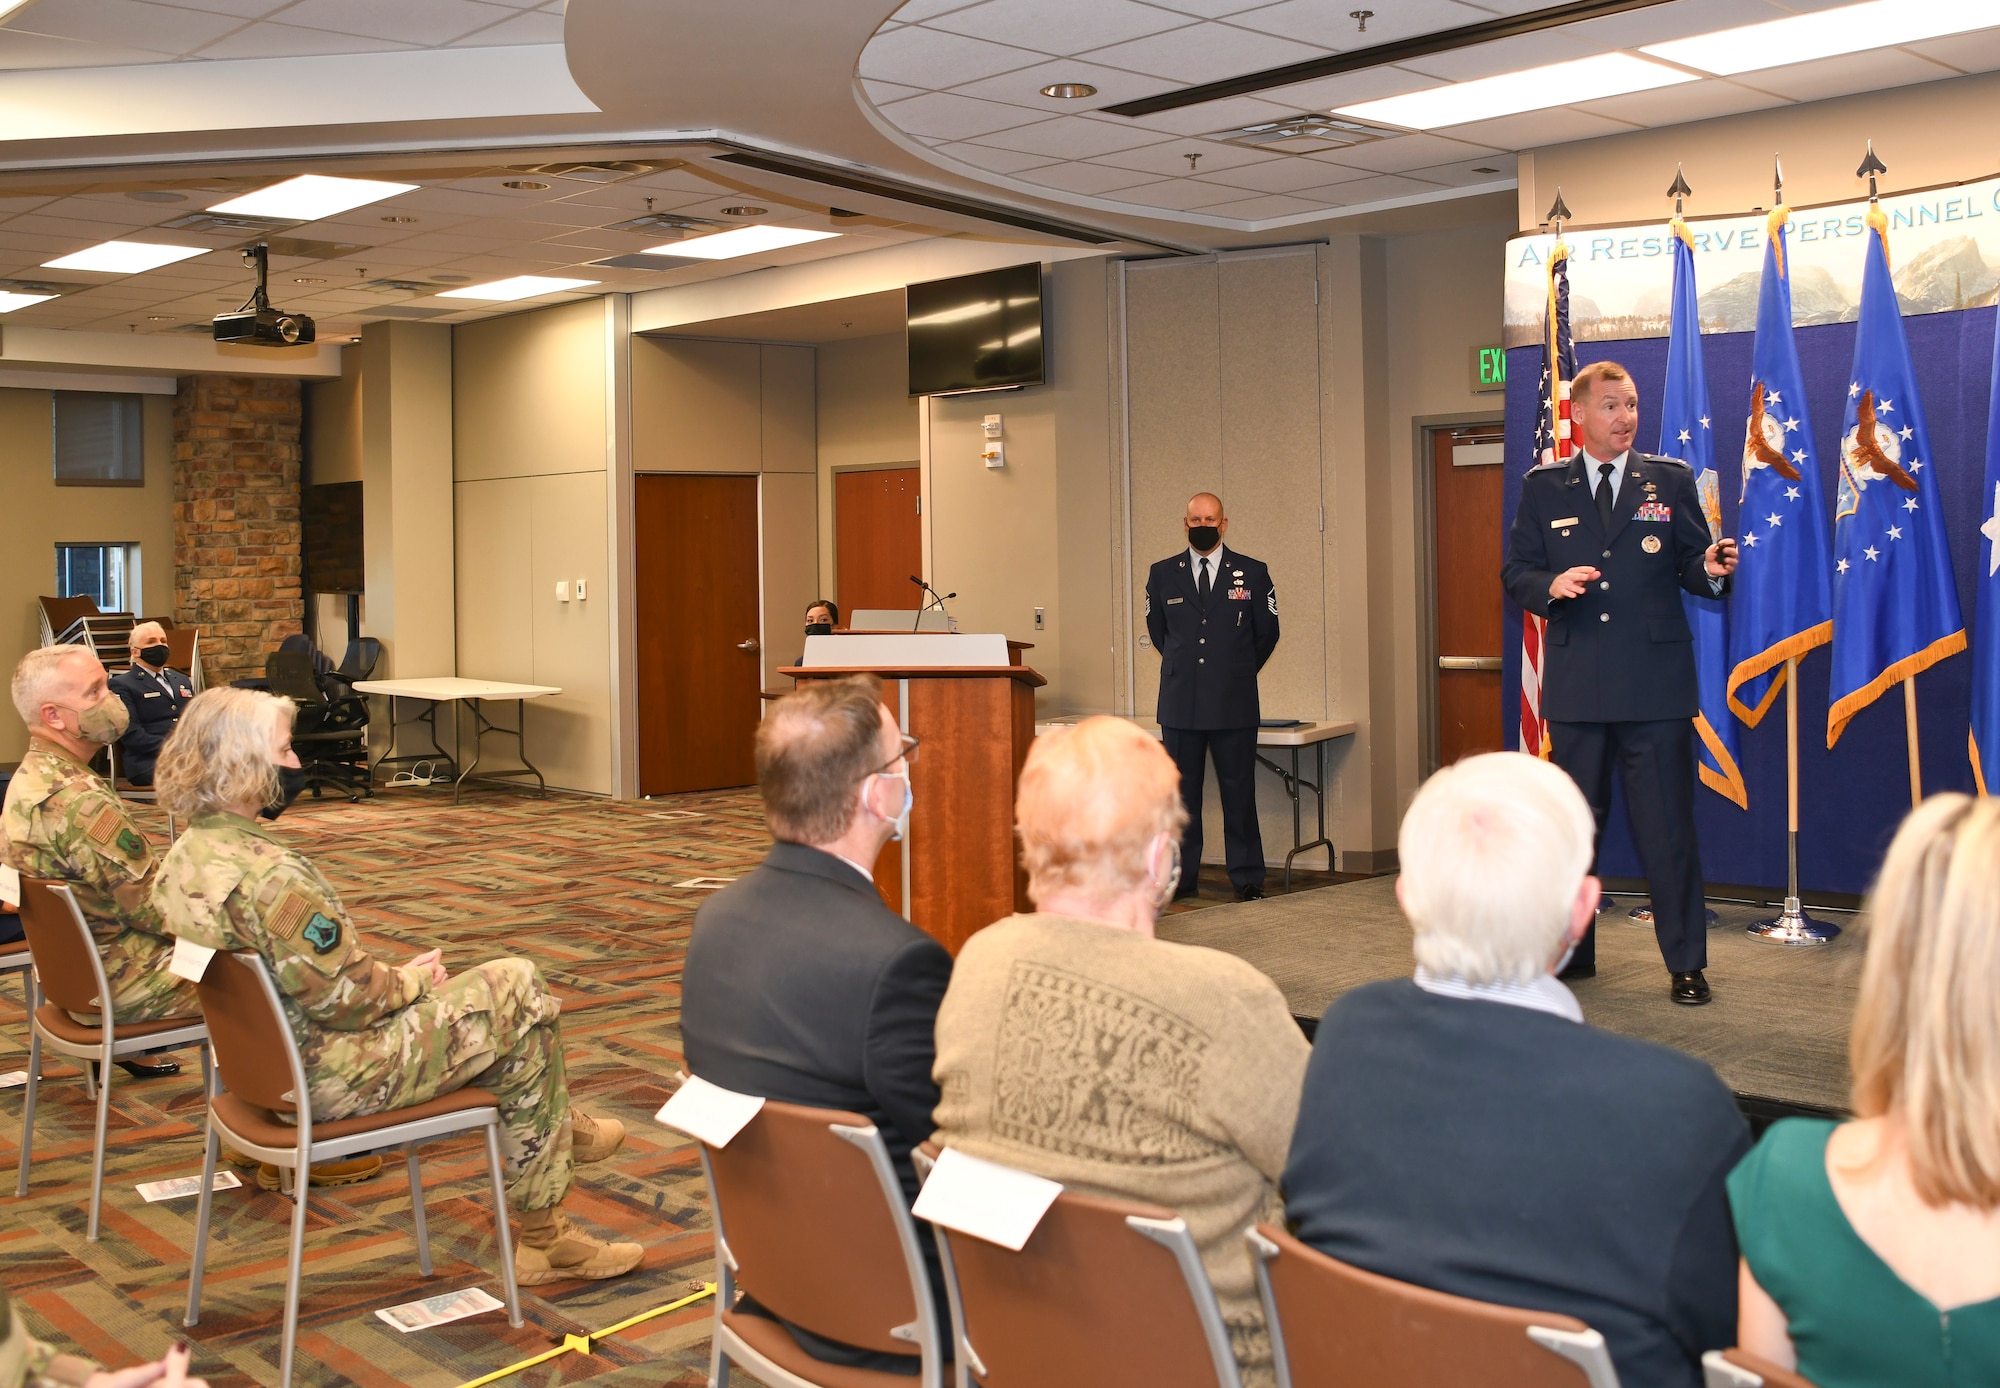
{"x":1331,"y":1322}
{"x":1104,"y":1291}
{"x":811,"y":1221}
{"x":69,"y":977}
{"x":1735,"y":1368}
{"x":257,"y":1115}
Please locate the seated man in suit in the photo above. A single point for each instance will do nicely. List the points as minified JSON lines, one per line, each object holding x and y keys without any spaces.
{"x":154,"y":697}
{"x":1466,"y":1131}
{"x":800,"y":985}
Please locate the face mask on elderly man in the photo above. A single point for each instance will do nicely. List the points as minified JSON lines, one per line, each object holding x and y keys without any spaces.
{"x":155,"y":656}
{"x":104,"y":721}
{"x":900,"y":819}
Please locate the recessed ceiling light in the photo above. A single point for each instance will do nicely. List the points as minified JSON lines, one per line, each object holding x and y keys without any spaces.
{"x":1481,"y":168}
{"x":1801,"y":38}
{"x":124,"y":257}
{"x":400,"y":221}
{"x":519,"y":287}
{"x":1068,"y":91}
{"x":159,"y":318}
{"x":744,"y":211}
{"x":727,"y":245}
{"x":308,"y":279}
{"x":524,"y":185}
{"x":9,"y":300}
{"x":156,"y":195}
{"x":310,"y":197}
{"x":1510,"y":93}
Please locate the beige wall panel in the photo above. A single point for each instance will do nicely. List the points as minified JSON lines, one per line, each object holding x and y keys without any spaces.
{"x":788,"y":522}
{"x":528,"y":394}
{"x":1087,"y":554}
{"x":407,"y":432}
{"x":1269,"y":337}
{"x":333,"y":409}
{"x":494,"y":522}
{"x":865,"y":419}
{"x":569,"y":734}
{"x":1174,"y":379}
{"x":74,"y":515}
{"x":786,"y":408}
{"x":695,"y":406}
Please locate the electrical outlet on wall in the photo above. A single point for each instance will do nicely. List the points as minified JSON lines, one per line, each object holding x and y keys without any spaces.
{"x":582,"y":589}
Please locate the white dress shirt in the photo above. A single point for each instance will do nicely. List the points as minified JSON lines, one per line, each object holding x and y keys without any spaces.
{"x":1215,"y":568}
{"x":857,"y":867}
{"x":1592,"y":463}
{"x":1545,"y":993}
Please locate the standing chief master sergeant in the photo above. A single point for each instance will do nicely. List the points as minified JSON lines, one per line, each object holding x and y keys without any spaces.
{"x":1602,"y":546}
{"x":1213,"y":616}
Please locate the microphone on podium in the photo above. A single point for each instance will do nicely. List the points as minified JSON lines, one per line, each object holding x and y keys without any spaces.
{"x":937,"y":601}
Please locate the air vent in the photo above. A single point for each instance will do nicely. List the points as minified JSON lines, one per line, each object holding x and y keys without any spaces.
{"x":300,"y":249}
{"x":226,"y":223}
{"x":394,"y":287}
{"x":644,"y":261}
{"x":38,"y":287}
{"x":663,"y":222}
{"x":597,"y":171}
{"x":1307,"y":134}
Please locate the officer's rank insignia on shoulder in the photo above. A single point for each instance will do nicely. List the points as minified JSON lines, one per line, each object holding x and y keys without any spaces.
{"x":107,"y":826}
{"x":1271,"y":600}
{"x":1547,"y":463}
{"x":292,"y":911}
{"x":322,"y":932}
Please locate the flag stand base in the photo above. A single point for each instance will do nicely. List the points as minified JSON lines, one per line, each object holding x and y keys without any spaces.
{"x":1793,"y":927}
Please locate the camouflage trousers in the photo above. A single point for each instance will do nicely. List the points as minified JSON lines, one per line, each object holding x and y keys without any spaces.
{"x":135,"y":967}
{"x":495,"y":1026}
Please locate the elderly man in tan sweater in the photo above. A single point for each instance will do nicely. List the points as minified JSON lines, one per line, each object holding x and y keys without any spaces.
{"x":1073,"y":1044}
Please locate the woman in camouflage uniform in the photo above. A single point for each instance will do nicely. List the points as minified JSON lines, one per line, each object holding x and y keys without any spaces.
{"x":373,"y":1036}
{"x":26,"y":1362}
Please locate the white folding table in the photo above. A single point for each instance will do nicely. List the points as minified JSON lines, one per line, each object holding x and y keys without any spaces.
{"x":446,"y":689}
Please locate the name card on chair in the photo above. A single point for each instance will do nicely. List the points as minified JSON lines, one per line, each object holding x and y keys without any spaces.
{"x":10,"y":886}
{"x":985,"y":1199}
{"x":190,"y":960}
{"x":708,"y":1112}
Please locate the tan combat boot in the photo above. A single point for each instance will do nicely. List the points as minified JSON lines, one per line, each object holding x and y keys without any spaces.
{"x":554,"y":1250}
{"x":326,"y":1173}
{"x":593,"y":1139}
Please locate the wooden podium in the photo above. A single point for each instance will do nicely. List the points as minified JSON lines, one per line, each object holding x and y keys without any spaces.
{"x":971,"y":703}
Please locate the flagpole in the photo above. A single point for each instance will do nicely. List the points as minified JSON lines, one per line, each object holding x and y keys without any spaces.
{"x":1792,"y":926}
{"x":1910,"y":727}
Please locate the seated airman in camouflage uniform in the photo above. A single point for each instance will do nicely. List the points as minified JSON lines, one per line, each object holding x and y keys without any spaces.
{"x":373,"y":1036}
{"x":63,"y":821}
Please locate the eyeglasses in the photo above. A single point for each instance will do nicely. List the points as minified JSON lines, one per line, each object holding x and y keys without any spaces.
{"x":907,"y":755}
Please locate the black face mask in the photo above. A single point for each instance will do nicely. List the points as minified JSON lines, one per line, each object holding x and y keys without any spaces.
{"x":155,"y":656}
{"x":1204,"y":537}
{"x":819,"y":628}
{"x":291,"y":781}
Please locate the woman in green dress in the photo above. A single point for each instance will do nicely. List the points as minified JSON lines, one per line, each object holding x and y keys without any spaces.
{"x":1871,"y":1249}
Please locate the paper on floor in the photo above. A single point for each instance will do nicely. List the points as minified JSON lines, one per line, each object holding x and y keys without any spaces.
{"x":439,"y":1309}
{"x":708,"y":1112}
{"x":985,"y":1199}
{"x":181,"y":1186}
{"x":13,"y":1079}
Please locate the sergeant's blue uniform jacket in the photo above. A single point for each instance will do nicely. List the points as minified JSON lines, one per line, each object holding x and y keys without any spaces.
{"x":155,"y":705}
{"x":1210,"y":656}
{"x":1621,"y":652}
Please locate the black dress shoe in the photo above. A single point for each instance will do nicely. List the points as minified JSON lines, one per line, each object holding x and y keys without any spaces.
{"x":1187,"y":894}
{"x":1249,"y":893}
{"x":150,"y":1069}
{"x":1689,"y":989}
{"x":1572,"y":972}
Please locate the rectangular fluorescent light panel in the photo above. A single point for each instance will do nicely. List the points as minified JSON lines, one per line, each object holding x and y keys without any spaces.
{"x":10,"y":300}
{"x":125,"y":257}
{"x":310,"y":197}
{"x":727,"y":245}
{"x":1510,"y":93}
{"x":519,"y":287}
{"x":1826,"y":34}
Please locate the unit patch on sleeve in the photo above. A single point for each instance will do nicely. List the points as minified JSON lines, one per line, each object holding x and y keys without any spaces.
{"x":322,"y":932}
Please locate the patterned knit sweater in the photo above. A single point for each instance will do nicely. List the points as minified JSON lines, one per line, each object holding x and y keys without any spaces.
{"x":1128,"y":1067}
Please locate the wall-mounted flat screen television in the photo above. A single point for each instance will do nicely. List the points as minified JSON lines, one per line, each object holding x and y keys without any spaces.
{"x":976,"y":332}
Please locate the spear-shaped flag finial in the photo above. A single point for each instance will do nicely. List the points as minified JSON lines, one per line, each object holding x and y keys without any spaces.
{"x":1559,"y":212}
{"x":1680,"y":190}
{"x":1777,"y":182}
{"x":1870,"y":167}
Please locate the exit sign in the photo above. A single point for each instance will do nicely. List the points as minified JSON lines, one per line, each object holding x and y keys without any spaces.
{"x":1489,"y":370}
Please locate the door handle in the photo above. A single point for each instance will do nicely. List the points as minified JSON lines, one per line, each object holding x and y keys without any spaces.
{"x":752,"y":647}
{"x":1468,"y":662}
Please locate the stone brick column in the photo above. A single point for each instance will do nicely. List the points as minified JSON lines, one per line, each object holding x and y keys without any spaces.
{"x":236,"y":518}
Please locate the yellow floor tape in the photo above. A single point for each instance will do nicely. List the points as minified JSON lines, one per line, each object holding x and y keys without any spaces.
{"x":581,"y":1343}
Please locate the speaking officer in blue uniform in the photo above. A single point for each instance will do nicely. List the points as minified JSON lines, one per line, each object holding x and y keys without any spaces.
{"x":1213,"y":616}
{"x":1602,"y":546}
{"x":154,"y":695}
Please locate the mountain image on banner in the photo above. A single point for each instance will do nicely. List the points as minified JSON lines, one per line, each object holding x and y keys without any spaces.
{"x":1950,"y":275}
{"x":1895,"y":606}
{"x":1732,"y":307}
{"x":1781,"y":604}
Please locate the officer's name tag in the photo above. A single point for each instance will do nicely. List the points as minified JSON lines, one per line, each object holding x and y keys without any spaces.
{"x":1559,"y":524}
{"x":190,"y":960}
{"x":1654,"y":511}
{"x":1172,"y":601}
{"x":154,"y":695}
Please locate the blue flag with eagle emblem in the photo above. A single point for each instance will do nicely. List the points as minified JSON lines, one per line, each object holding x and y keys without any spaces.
{"x":1895,"y":606}
{"x":1984,"y":741}
{"x":1781,"y":604}
{"x":1685,"y":433}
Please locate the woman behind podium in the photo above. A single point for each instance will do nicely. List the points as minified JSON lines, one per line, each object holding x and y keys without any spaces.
{"x":1125,"y":1066}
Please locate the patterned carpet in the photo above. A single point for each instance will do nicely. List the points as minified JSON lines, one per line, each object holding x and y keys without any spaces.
{"x":588,"y":890}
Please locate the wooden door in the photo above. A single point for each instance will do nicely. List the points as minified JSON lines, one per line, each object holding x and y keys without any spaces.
{"x":1466,"y":475}
{"x":697,"y":566}
{"x":877,"y":541}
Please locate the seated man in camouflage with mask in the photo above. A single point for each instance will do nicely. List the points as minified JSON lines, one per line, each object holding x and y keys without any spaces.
{"x":373,"y":1036}
{"x":63,"y":821}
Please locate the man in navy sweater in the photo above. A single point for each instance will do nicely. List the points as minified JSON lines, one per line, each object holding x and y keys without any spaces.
{"x":1466,"y":1131}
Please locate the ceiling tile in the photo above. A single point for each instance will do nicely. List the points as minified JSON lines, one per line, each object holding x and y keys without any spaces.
{"x":1178,"y":194}
{"x":1091,"y":179}
{"x":1330,"y":23}
{"x":1170,"y":159}
{"x":1071,"y":137}
{"x":934,"y":60}
{"x":1409,"y":152}
{"x":1211,"y":9}
{"x":1349,"y":89}
{"x":917,"y":11}
{"x":1286,"y":174}
{"x":882,"y":93}
{"x":290,"y":41}
{"x":1533,"y":128}
{"x":1204,"y":53}
{"x":399,"y":21}
{"x":129,"y":23}
{"x":1505,"y":55}
{"x":1978,"y":52}
{"x":1025,"y":85}
{"x":1493,"y":168}
{"x":1854,"y":72}
{"x":1690,"y":101}
{"x":943,"y":115}
{"x":1062,"y":27}
{"x":1004,"y":161}
{"x":1258,"y":209}
{"x":19,"y":50}
{"x":241,"y":9}
{"x":1375,"y":188}
{"x":1680,"y":20}
{"x":535,"y":27}
{"x":1228,"y":114}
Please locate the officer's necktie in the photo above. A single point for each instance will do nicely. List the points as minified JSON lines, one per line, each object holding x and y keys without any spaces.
{"x":1201,"y":586}
{"x":1604,"y":496}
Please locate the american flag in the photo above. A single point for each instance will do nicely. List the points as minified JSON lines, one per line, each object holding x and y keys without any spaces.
{"x":1552,"y":446}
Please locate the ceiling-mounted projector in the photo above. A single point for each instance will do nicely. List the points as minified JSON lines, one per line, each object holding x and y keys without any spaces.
{"x":257,"y":323}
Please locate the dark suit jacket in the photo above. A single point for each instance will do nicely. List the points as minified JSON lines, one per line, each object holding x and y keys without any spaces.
{"x":1622,"y":652}
{"x":154,"y":712}
{"x":1210,"y":656}
{"x":1508,"y":1155}
{"x":803,"y":987}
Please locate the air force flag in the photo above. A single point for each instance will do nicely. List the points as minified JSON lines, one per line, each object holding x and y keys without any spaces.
{"x":1984,"y":743}
{"x":1686,"y":434}
{"x":1895,"y":607}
